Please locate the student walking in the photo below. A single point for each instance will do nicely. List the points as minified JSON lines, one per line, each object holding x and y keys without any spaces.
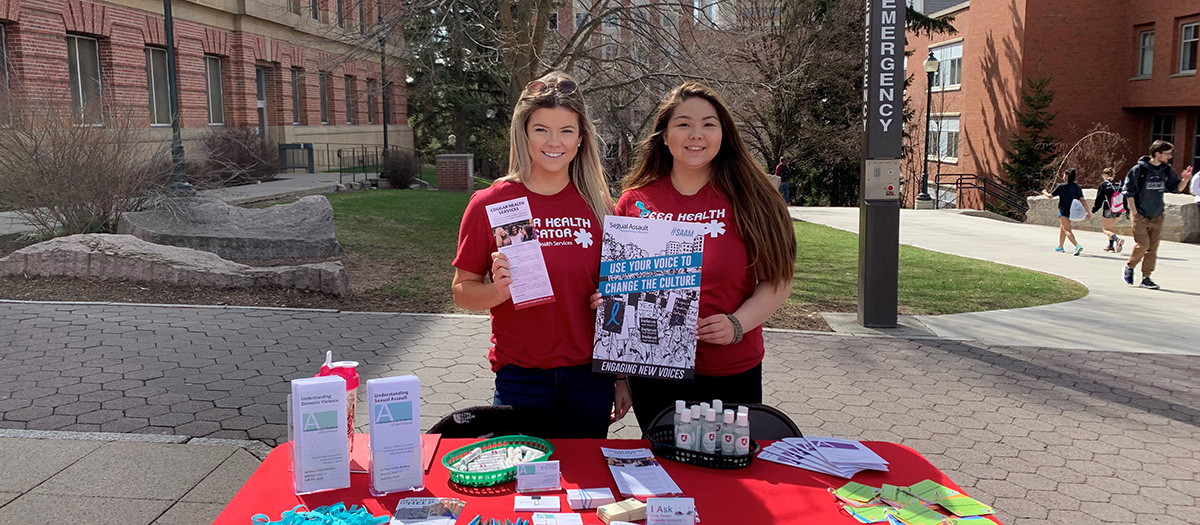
{"x":1105,"y":194}
{"x":694,"y":163}
{"x":542,"y":355}
{"x":1144,"y":187}
{"x":1068,"y":193}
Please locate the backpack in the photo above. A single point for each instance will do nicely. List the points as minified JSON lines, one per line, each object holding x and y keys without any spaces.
{"x":1116,"y":203}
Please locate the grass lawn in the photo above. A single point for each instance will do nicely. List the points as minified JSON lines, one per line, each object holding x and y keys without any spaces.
{"x":406,"y":240}
{"x":930,"y":282}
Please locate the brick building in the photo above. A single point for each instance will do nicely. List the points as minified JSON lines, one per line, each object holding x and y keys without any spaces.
{"x":1127,"y":64}
{"x":302,"y":69}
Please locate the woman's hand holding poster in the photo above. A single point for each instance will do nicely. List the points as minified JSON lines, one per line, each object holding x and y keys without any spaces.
{"x":650,"y":280}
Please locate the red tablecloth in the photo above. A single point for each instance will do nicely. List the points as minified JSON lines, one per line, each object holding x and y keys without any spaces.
{"x":763,"y":493}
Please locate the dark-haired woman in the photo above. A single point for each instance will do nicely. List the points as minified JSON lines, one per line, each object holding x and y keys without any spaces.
{"x":695,"y":167}
{"x":1068,"y":192}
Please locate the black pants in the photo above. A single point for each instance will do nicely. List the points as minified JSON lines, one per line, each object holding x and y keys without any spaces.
{"x":651,"y":396}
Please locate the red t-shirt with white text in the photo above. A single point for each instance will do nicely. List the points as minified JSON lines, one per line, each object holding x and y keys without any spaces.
{"x":726,"y":279}
{"x":548,"y":335}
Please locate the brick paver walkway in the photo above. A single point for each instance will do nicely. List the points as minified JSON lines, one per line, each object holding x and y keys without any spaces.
{"x":1045,"y":435}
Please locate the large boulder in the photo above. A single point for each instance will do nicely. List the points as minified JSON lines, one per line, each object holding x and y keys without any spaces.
{"x":1182,"y":222}
{"x":302,"y":229}
{"x":105,"y":256}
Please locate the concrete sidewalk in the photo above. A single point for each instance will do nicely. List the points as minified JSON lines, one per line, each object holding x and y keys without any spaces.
{"x":1113,"y":316}
{"x":285,"y":186}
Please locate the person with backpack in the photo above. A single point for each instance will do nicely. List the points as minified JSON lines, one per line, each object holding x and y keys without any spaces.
{"x":1144,"y":187}
{"x":1109,"y":197}
{"x":1068,"y":194}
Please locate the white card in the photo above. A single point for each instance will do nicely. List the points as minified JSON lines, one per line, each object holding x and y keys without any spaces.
{"x":538,"y":476}
{"x":395,"y":407}
{"x":544,"y":518}
{"x":537,"y":504}
{"x":670,"y":511}
{"x":320,"y":450}
{"x":580,"y":499}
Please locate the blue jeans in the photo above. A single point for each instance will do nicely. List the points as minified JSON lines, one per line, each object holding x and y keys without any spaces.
{"x":584,"y":398}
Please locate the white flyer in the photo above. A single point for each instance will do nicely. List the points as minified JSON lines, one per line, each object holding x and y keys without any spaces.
{"x":395,"y":425}
{"x":650,"y":280}
{"x":546,"y":518}
{"x":638,"y":473}
{"x":670,"y":511}
{"x":320,"y":450}
{"x":512,"y":227}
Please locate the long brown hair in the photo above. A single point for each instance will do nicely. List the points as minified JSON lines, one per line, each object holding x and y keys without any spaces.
{"x":762,"y":216}
{"x":585,"y":169}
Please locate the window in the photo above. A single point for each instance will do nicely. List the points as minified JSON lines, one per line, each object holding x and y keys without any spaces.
{"x":554,"y":21}
{"x":1146,"y":54}
{"x":4,"y":55}
{"x":1162,"y":127}
{"x":293,"y":6}
{"x":156,"y":79}
{"x":581,"y":19}
{"x":611,"y":149}
{"x":362,"y":16}
{"x":1189,"y":37}
{"x":314,"y":9}
{"x":323,"y":94}
{"x":612,"y":21}
{"x":296,"y":95}
{"x":711,"y":11}
{"x":372,"y":87}
{"x":609,"y":52}
{"x":341,"y":13}
{"x":349,"y":100}
{"x":943,"y":139}
{"x":949,"y":73}
{"x":216,"y":100}
{"x":668,"y":20}
{"x":83,"y":61}
{"x":1196,"y":147}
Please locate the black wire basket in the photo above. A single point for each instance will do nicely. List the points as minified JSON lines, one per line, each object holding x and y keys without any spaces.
{"x":662,"y":442}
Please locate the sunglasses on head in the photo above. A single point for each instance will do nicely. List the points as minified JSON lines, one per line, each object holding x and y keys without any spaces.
{"x":563,"y":87}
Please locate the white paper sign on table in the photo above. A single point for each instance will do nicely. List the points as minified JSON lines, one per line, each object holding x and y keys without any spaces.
{"x":515,"y":237}
{"x":320,"y":451}
{"x":395,"y":425}
{"x":670,"y":511}
{"x":538,"y":476}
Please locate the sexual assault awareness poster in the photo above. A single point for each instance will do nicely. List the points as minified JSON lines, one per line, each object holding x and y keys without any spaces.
{"x":650,"y":280}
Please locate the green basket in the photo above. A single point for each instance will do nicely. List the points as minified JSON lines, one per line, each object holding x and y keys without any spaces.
{"x":494,"y":477}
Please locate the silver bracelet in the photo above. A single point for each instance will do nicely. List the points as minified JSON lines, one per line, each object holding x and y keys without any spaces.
{"x":737,"y":328}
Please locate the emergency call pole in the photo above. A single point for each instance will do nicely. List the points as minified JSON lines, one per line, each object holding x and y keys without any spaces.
{"x":879,"y":205}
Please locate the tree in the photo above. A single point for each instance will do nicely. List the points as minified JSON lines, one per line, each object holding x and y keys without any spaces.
{"x":1032,"y":151}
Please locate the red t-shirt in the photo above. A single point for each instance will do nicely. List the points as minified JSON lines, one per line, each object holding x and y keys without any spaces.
{"x":726,"y":280}
{"x":549,"y":335}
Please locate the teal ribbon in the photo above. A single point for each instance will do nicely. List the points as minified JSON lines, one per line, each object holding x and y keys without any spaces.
{"x":336,"y":514}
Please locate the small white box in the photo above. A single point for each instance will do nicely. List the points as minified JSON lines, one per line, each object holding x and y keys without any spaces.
{"x":537,"y":504}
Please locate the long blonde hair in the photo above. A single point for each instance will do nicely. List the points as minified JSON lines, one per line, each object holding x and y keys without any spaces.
{"x":585,"y":169}
{"x":762,"y":216}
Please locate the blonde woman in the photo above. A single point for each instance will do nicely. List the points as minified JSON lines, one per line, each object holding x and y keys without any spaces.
{"x":542,"y":355}
{"x":694,"y":164}
{"x":1108,"y":221}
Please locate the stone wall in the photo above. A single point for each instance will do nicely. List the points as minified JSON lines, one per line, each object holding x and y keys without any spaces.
{"x":1182,"y":222}
{"x":125,"y":257}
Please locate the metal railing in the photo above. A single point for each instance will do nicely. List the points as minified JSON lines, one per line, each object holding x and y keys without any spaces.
{"x":353,"y":160}
{"x":988,"y":186}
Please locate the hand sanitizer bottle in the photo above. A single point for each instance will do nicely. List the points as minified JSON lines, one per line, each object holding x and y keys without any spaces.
{"x":741,"y":433}
{"x":685,"y":435}
{"x":727,"y":433}
{"x":680,"y":407}
{"x":704,"y":406}
{"x":697,"y":416}
{"x":708,"y":439}
{"x":718,"y":407}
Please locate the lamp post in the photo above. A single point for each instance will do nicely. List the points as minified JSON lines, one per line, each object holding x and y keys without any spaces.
{"x":179,"y":179}
{"x":931,"y":67}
